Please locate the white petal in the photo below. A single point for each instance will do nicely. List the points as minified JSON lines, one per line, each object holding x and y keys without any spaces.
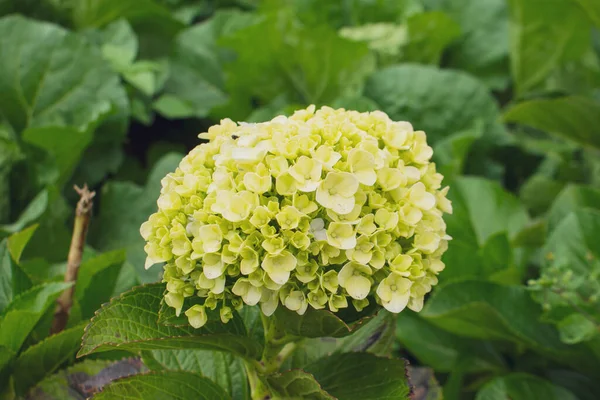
{"x":358,"y":287}
{"x":279,"y":276}
{"x":343,"y":205}
{"x":214,"y":271}
{"x":398,"y":302}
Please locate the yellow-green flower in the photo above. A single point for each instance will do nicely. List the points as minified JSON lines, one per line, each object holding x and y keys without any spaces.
{"x":341,"y":235}
{"x":354,"y":277}
{"x":337,"y":191}
{"x":315,"y":210}
{"x":196,"y":316}
{"x":394,"y":292}
{"x":279,"y":266}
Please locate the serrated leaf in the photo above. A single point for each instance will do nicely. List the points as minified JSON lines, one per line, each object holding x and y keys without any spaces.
{"x":359,"y":376}
{"x":482,"y":209}
{"x":167,"y":385}
{"x":96,"y":281}
{"x":440,"y":102}
{"x":43,"y":358}
{"x":519,"y":386}
{"x":574,"y":117}
{"x":376,"y":337}
{"x":295,"y":385}
{"x":321,"y":323}
{"x":130,"y":322}
{"x":224,"y":369}
{"x":23,"y":313}
{"x":64,"y":88}
{"x":118,"y":224}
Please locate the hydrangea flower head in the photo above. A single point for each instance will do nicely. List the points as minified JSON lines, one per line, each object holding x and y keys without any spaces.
{"x":324,"y":209}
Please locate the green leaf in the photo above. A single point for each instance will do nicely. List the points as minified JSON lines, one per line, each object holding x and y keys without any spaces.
{"x":450,"y":153}
{"x":481,"y":210}
{"x":592,"y":9}
{"x":119,"y":44}
{"x":429,"y":34}
{"x":130,"y":322}
{"x":320,"y":323}
{"x":486,"y":310}
{"x":18,"y":241}
{"x":276,"y":56}
{"x":96,"y":281}
{"x":32,"y":212}
{"x":196,"y":82}
{"x":572,"y":198}
{"x":443,"y":350}
{"x":13,"y":280}
{"x":361,"y":376}
{"x":576,"y":328}
{"x":544,"y":34}
{"x":376,"y":337}
{"x":43,"y":358}
{"x":224,"y":369}
{"x":440,"y":102}
{"x":482,"y":48}
{"x":20,"y":317}
{"x":519,"y":386}
{"x":296,"y":385}
{"x":63,"y":88}
{"x":167,"y":385}
{"x":118,"y":223}
{"x":575,"y":118}
{"x":539,"y":192}
{"x":97,"y":13}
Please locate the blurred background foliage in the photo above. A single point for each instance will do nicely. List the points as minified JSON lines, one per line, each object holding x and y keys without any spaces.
{"x":112,"y":93}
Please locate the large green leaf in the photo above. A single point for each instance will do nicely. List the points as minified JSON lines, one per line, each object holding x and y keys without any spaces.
{"x":572,"y":198}
{"x":277,"y":56}
{"x":484,"y":219}
{"x":13,"y":280}
{"x":361,"y":376}
{"x":167,"y":385}
{"x":130,"y":322}
{"x":443,"y":350}
{"x":97,"y":13}
{"x":45,"y":357}
{"x":20,"y":317}
{"x":31,"y":213}
{"x":429,"y":34}
{"x":482,"y":49}
{"x":376,"y":337}
{"x":96,"y":281}
{"x":62,"y":89}
{"x":320,"y":323}
{"x":196,"y":81}
{"x":545,"y":33}
{"x":520,"y":386}
{"x":575,"y":118}
{"x":224,"y":369}
{"x":440,"y":102}
{"x":118,"y":224}
{"x":296,"y":384}
{"x":486,"y":310}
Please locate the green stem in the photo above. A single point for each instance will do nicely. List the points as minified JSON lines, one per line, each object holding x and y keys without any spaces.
{"x":258,"y":388}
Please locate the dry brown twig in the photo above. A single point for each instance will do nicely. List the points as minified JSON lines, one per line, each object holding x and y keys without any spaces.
{"x":83,"y":213}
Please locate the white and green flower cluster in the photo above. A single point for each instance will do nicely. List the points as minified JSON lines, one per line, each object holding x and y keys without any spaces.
{"x":315,"y":210}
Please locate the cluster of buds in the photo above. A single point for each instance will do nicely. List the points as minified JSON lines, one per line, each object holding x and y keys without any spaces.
{"x":321,"y":209}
